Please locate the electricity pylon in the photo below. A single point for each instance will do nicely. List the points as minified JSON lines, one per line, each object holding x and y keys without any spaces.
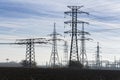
{"x":66,"y":52}
{"x":98,"y":64}
{"x":30,"y":48}
{"x":74,"y":11}
{"x":83,"y":33}
{"x":54,"y":58}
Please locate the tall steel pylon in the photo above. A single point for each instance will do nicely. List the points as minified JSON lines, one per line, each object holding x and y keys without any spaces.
{"x":83,"y":55}
{"x":30,"y":50}
{"x":74,"y":56}
{"x":98,"y":64}
{"x":54,"y":58}
{"x":65,"y":52}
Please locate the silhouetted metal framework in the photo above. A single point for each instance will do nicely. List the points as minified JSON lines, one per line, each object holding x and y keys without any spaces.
{"x":54,"y":58}
{"x":98,"y":64}
{"x":30,"y":50}
{"x":74,"y":57}
{"x":83,"y":55}
{"x":65,"y":52}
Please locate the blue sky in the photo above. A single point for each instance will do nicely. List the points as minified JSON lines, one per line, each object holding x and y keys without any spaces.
{"x":35,"y":18}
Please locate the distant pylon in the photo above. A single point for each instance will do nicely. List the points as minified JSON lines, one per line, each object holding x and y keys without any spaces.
{"x":74,"y":56}
{"x":83,"y":55}
{"x":54,"y":58}
{"x":98,"y":56}
{"x":30,"y":49}
{"x":30,"y":52}
{"x":66,"y":52}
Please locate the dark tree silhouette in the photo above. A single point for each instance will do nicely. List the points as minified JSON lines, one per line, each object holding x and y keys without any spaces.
{"x":25,"y":63}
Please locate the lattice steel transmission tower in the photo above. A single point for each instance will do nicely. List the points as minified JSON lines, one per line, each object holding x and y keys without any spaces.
{"x":75,"y":10}
{"x":30,"y":50}
{"x":65,"y":52}
{"x":98,"y":63}
{"x":83,"y":33}
{"x":54,"y":58}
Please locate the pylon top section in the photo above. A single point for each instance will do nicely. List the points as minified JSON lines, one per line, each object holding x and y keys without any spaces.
{"x":74,"y":7}
{"x":31,"y":40}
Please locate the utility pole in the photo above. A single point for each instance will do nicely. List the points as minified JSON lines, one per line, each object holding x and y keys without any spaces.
{"x":74,"y":11}
{"x":54,"y":58}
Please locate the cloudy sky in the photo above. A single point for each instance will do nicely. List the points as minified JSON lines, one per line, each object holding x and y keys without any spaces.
{"x":35,"y":18}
